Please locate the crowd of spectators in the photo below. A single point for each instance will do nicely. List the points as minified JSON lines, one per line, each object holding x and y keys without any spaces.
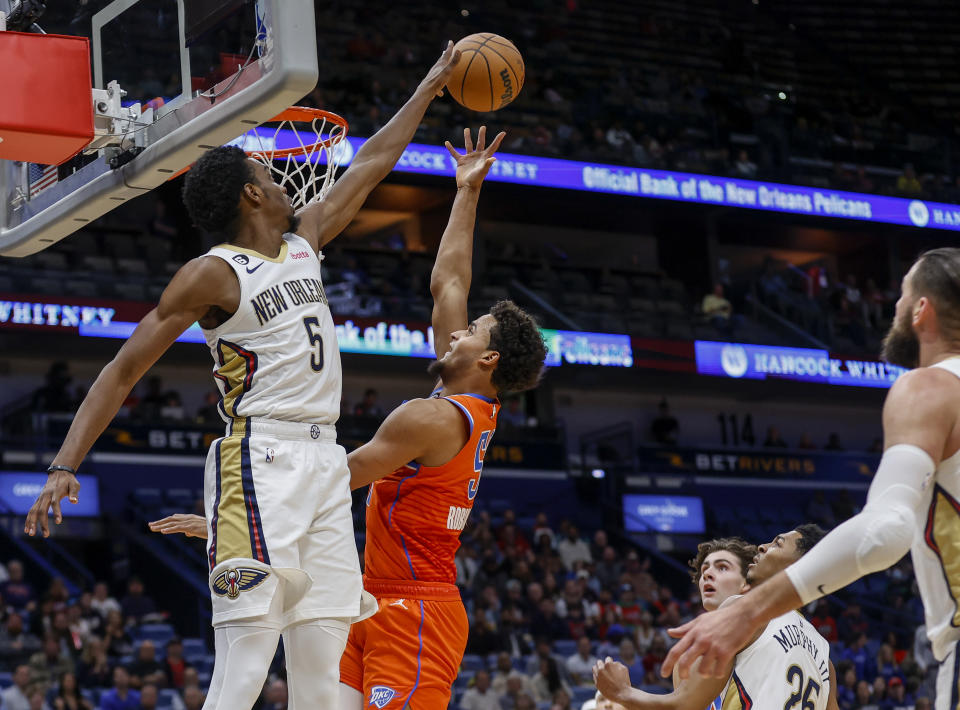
{"x":544,"y":601}
{"x":80,"y":652}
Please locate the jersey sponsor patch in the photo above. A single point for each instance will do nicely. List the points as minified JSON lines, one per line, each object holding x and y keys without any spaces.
{"x":231,"y":582}
{"x":380,"y":695}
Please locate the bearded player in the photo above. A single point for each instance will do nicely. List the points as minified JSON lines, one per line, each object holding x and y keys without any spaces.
{"x":785,"y":665}
{"x":424,"y":466}
{"x":914,"y":499}
{"x":719,"y":570}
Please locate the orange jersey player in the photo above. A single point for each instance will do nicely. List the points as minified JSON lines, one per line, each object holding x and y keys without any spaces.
{"x":423,"y":466}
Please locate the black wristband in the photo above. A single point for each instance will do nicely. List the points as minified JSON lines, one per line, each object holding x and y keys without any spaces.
{"x":51,"y":469}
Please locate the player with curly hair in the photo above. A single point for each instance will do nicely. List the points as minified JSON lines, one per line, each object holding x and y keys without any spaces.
{"x":784,"y":662}
{"x":281,"y":551}
{"x":423,"y":466}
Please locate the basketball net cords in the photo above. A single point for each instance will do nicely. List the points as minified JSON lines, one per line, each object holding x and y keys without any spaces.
{"x":301,"y":175}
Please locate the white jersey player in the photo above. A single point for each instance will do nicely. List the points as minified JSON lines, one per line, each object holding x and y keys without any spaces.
{"x":281,"y":550}
{"x":784,"y":665}
{"x":914,"y":499}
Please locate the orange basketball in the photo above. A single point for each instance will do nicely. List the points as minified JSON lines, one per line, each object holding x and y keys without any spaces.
{"x":489,"y":74}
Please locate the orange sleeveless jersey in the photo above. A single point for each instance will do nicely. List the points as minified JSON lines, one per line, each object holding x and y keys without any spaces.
{"x":416,"y":514}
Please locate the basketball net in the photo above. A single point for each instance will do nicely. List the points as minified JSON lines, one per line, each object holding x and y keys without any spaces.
{"x":308,"y":169}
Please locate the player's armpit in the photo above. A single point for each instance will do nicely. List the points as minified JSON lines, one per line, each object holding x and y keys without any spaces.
{"x":413,"y":431}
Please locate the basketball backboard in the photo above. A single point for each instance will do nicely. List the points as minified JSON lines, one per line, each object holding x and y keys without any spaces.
{"x":197,"y":74}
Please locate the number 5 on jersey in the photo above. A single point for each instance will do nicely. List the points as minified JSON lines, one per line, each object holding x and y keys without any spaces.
{"x":482,"y":445}
{"x":312,"y":324}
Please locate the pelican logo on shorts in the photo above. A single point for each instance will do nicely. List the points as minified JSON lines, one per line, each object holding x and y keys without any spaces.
{"x":380,"y":695}
{"x":242,"y":259}
{"x":231,"y":582}
{"x":314,"y":432}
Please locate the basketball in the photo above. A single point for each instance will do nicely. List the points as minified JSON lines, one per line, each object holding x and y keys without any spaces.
{"x":489,"y":74}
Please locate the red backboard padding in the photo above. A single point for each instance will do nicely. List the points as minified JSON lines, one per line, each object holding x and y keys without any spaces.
{"x":46,"y":108}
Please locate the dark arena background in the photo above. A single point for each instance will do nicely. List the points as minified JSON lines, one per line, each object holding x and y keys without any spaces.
{"x":709,"y":207}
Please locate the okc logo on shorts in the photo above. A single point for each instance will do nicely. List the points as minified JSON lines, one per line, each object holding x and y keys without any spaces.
{"x":231,"y":582}
{"x":314,"y":432}
{"x":380,"y":695}
{"x":242,"y":259}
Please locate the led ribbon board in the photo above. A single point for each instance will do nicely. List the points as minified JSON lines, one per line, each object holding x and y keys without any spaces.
{"x":662,"y":184}
{"x":761,"y":362}
{"x":19,"y":489}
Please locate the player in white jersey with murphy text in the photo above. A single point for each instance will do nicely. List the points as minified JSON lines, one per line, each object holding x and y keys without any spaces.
{"x":783,"y":666}
{"x":281,"y":550}
{"x":914,"y":499}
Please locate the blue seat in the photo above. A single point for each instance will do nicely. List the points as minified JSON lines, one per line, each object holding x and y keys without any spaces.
{"x":158,"y":633}
{"x":565,"y":647}
{"x":193,"y":647}
{"x":463,"y":679}
{"x":473,"y":662}
{"x":203,"y":664}
{"x":167,"y":697}
{"x":581,"y":694}
{"x":6,"y":679}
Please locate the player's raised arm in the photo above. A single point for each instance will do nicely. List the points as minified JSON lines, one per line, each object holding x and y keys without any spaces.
{"x":321,"y":221}
{"x":613,"y":681}
{"x":450,"y":279}
{"x":199,"y":285}
{"x":418,"y":430}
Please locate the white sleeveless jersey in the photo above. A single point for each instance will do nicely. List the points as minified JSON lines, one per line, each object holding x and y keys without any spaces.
{"x":936,"y":549}
{"x":786,"y":668}
{"x":277,"y":356}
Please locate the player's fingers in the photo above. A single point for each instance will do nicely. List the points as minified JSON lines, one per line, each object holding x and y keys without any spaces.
{"x":687,"y":659}
{"x":455,"y":58}
{"x":495,"y":144}
{"x":467,"y":140}
{"x":678,"y":632}
{"x":666,"y":668}
{"x":57,"y":515}
{"x":73,"y":491}
{"x":450,"y":149}
{"x":481,"y":137}
{"x":709,"y":664}
{"x":44,"y":518}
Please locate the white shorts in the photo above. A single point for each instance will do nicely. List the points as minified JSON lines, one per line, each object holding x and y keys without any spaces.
{"x":948,"y":682}
{"x":277,"y":501}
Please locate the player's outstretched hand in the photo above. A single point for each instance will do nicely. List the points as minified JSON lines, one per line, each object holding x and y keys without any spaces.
{"x":59,"y":485}
{"x":611,"y":678}
{"x":189,"y":525}
{"x":473,"y":166}
{"x":717,"y":636}
{"x":437,"y":77}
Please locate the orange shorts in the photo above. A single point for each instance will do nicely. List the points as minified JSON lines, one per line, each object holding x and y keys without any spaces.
{"x":408,"y":654}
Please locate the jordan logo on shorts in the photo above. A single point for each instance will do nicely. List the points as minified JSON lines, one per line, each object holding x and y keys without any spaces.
{"x":380,"y":695}
{"x":231,"y":582}
{"x":399,"y":603}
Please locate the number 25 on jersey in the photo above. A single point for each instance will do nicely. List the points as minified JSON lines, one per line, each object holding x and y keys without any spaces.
{"x":482,"y":445}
